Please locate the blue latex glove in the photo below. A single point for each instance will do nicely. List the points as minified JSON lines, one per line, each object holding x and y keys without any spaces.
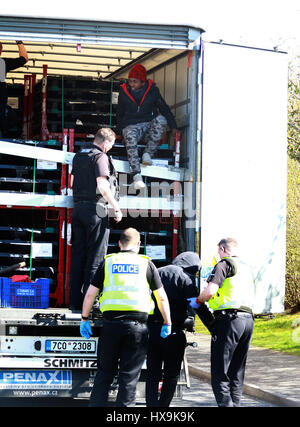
{"x":85,"y":329}
{"x":165,"y":331}
{"x":192,"y":302}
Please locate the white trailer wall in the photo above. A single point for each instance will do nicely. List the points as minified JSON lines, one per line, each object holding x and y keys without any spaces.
{"x":173,"y":80}
{"x":244,"y":161}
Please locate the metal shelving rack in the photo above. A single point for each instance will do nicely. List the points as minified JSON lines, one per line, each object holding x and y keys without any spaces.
{"x":162,"y":230}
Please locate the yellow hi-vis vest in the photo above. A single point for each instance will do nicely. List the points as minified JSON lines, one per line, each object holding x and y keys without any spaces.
{"x":237,"y":291}
{"x":125,"y":286}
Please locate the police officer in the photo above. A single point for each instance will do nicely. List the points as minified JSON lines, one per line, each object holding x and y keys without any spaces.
{"x":125,"y":284}
{"x":94,"y":183}
{"x":179,"y":281}
{"x":6,"y":65}
{"x":230,"y":294}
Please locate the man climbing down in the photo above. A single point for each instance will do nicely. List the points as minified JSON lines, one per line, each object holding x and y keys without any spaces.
{"x":142,"y":113}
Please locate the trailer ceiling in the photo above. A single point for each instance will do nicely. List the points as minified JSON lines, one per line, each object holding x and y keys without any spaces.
{"x":70,"y":59}
{"x":88,"y":48}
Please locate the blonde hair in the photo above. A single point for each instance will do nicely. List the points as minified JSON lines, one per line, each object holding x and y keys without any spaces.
{"x":104,"y":134}
{"x":229,"y":244}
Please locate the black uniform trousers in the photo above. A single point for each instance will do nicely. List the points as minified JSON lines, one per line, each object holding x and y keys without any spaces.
{"x":122,"y":349}
{"x":229,"y":347}
{"x":2,"y":119}
{"x":90,"y":234}
{"x":167,"y":353}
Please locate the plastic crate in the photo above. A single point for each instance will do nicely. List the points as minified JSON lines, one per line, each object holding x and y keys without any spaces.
{"x":24,"y":294}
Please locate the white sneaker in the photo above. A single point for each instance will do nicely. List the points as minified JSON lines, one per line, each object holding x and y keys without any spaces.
{"x":138,"y":183}
{"x":146,"y":159}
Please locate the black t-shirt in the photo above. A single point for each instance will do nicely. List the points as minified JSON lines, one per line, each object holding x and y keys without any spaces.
{"x":154,"y":283}
{"x":6,"y":65}
{"x":13,"y":63}
{"x":220,"y":272}
{"x":86,"y":170}
{"x":101,"y":166}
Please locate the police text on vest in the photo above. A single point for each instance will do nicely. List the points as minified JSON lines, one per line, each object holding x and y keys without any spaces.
{"x":125,"y":269}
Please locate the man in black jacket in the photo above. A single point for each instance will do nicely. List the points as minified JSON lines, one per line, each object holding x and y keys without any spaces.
{"x":139,"y":105}
{"x":6,"y":65}
{"x":179,"y":283}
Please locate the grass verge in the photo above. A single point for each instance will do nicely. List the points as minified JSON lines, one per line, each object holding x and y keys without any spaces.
{"x":281,"y":333}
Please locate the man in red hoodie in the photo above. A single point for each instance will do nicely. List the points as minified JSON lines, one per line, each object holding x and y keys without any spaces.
{"x":142,"y":113}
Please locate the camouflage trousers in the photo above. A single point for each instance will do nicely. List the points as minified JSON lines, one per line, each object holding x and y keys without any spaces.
{"x":150,"y":132}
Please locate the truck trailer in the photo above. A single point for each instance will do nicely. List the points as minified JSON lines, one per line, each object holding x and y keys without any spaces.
{"x":223,"y":175}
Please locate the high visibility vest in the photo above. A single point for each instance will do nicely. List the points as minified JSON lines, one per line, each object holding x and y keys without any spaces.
{"x":125,"y":286}
{"x":237,"y":291}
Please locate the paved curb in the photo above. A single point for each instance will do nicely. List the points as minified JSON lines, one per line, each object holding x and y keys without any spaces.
{"x":250,"y":390}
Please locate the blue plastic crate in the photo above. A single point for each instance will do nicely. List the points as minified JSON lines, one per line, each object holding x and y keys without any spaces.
{"x":24,"y":294}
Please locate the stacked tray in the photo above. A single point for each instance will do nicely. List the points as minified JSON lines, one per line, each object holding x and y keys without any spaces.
{"x":79,"y":103}
{"x":14,"y":110}
{"x":21,"y":174}
{"x":31,"y":235}
{"x":38,"y":235}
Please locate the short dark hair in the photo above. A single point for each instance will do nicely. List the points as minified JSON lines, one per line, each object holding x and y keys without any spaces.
{"x":129,"y":236}
{"x":104,"y":134}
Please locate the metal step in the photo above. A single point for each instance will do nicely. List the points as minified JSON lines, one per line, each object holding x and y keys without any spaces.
{"x":59,"y":156}
{"x":59,"y":201}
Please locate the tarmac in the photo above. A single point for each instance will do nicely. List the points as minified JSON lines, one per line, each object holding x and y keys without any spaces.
{"x":270,"y":376}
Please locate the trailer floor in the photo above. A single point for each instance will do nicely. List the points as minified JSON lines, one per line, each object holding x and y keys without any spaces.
{"x":31,"y":315}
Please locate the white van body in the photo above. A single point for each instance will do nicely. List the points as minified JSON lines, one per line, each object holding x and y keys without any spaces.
{"x":231,"y":101}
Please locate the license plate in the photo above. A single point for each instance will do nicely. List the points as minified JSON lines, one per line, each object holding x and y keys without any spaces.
{"x":70,"y":346}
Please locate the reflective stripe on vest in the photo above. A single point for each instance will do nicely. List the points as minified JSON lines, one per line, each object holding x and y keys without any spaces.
{"x":125,"y":286}
{"x":236,"y":292}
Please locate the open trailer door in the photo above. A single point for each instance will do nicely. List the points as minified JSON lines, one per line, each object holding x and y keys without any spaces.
{"x":244,"y":161}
